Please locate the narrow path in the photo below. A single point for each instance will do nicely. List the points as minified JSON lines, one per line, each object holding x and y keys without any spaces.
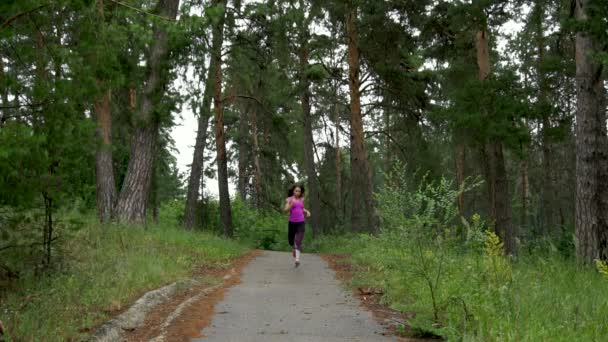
{"x":277,"y":302}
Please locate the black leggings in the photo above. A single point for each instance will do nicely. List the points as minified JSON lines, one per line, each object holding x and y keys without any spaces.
{"x":296,"y":234}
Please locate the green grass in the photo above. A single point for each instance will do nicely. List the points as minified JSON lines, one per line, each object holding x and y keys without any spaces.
{"x":105,"y":268}
{"x":547,"y":298}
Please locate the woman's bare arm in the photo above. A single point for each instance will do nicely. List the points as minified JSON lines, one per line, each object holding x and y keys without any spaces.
{"x":288,"y":205}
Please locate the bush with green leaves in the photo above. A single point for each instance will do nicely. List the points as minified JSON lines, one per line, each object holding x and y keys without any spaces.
{"x":259,"y":229}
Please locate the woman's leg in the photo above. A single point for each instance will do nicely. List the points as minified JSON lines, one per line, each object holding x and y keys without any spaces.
{"x":291,"y":234}
{"x":298,"y":241}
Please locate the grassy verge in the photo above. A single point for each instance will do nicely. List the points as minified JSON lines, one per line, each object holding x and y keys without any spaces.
{"x":103,"y":270}
{"x":480,"y":296}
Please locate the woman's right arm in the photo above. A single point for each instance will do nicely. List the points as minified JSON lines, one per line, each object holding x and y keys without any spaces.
{"x":287,"y":207}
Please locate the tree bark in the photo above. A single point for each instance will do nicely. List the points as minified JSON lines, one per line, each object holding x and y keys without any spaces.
{"x":591,"y":148}
{"x":220,"y":138}
{"x":131,"y":206}
{"x":4,"y":96}
{"x":105,"y":181}
{"x":339,"y":204}
{"x":362,"y":214}
{"x":525,"y":192}
{"x":313,"y":185}
{"x":498,"y":183}
{"x":196,"y":169}
{"x":106,"y":185}
{"x":460,"y":171}
{"x":244,"y":152}
{"x":388,"y":162}
{"x":257,"y":167}
{"x":547,"y":192}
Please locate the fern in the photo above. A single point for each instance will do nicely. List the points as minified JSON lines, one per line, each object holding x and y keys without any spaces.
{"x":494,"y":247}
{"x":497,"y":264}
{"x":602,"y":267}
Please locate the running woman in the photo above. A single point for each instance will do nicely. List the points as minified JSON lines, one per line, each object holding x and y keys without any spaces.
{"x":294,"y":205}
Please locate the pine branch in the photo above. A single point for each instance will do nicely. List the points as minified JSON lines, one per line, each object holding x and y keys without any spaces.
{"x":10,"y":20}
{"x":142,"y":11}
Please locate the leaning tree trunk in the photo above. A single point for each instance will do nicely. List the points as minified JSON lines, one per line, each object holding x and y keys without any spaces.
{"x":362,"y":214}
{"x":498,"y":183}
{"x":196,"y":169}
{"x":591,"y":148}
{"x":131,"y":206}
{"x":313,"y":185}
{"x":220,"y":137}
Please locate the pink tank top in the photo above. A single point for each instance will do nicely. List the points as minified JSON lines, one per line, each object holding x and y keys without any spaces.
{"x":297,"y":210}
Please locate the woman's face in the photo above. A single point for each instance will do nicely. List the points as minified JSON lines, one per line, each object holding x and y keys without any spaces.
{"x":297,"y":192}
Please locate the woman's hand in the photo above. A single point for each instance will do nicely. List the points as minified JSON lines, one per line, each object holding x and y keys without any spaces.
{"x":288,"y":205}
{"x":307,"y":213}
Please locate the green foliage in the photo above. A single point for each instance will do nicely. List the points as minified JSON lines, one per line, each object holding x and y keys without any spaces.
{"x":104,"y":269}
{"x":316,"y":73}
{"x":602,"y":267}
{"x":463,"y":287}
{"x":259,"y":229}
{"x":22,"y":160}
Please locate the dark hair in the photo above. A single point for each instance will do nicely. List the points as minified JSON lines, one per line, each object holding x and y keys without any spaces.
{"x":293,"y":187}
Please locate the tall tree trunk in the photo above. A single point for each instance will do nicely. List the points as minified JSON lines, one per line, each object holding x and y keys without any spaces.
{"x":257,"y":167}
{"x":362,"y":215}
{"x":131,"y":206}
{"x":547,"y":192}
{"x":196,"y":169}
{"x":460,"y":170}
{"x":220,"y":138}
{"x":525,"y":192}
{"x":339,"y":204}
{"x":4,"y":96}
{"x":244,"y":152}
{"x":387,"y":140}
{"x":498,"y":183}
{"x":106,"y":185}
{"x":313,"y":185}
{"x":591,"y":148}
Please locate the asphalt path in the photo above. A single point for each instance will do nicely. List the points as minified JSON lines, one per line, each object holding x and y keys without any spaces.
{"x":276,"y":301}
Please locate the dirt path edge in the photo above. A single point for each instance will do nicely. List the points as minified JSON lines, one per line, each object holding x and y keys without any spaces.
{"x":135,"y":316}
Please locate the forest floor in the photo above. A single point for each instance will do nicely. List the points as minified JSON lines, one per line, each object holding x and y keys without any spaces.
{"x":264,"y":298}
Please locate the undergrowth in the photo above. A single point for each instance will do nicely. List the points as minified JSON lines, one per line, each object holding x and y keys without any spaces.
{"x":101,"y":271}
{"x":453,"y":276}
